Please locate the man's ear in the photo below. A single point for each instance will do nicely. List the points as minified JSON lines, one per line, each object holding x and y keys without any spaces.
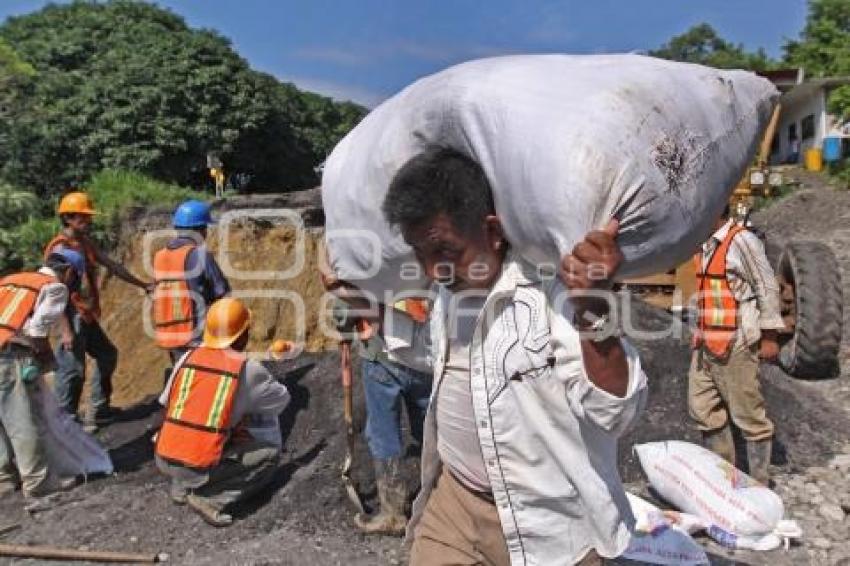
{"x":494,"y":233}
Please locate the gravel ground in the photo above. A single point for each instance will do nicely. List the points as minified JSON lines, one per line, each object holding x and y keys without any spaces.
{"x":306,"y":518}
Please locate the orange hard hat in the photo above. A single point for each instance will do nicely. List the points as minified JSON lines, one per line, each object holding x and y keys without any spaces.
{"x":227,"y":320}
{"x":76,"y":203}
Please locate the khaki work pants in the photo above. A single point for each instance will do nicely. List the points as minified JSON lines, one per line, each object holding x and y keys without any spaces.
{"x":720,"y":390}
{"x":458,"y":527}
{"x":461,"y":528}
{"x":22,"y":427}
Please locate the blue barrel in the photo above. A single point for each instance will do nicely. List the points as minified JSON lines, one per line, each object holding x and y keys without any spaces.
{"x":831,"y":149}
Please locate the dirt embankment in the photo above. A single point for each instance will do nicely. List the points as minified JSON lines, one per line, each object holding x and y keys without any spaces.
{"x":266,"y":247}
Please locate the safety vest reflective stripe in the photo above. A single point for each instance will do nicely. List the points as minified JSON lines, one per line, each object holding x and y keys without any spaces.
{"x":185,"y":387}
{"x":200,"y":405}
{"x":718,"y":308}
{"x":173,"y":306}
{"x":18,"y":295}
{"x":222,"y":393}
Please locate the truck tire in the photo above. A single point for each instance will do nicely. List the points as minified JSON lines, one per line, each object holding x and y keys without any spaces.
{"x":812,"y":269}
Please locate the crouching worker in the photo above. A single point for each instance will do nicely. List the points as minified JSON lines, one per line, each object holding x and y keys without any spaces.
{"x":31,"y":304}
{"x":212,"y":387}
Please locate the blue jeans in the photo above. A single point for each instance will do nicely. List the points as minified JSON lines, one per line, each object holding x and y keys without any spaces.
{"x":387,"y":386}
{"x":89,"y":338}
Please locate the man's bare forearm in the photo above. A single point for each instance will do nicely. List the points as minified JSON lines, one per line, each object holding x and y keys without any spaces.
{"x":606,"y":365}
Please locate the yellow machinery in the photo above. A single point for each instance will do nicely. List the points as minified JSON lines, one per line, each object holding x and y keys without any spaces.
{"x":672,"y":289}
{"x":807,"y":272}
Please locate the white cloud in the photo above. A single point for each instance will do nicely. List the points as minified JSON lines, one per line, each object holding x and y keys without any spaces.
{"x":337,"y":91}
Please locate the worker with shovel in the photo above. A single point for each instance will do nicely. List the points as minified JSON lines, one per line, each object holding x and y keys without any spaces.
{"x":31,"y":304}
{"x":395,"y":373}
{"x":211,"y":461}
{"x":187,"y":280}
{"x":82,"y":333}
{"x":738,"y":319}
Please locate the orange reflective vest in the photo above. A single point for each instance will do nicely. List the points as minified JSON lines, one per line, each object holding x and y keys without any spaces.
{"x":173,"y":308}
{"x":18,"y":294}
{"x":87,"y":299}
{"x":718,"y":308}
{"x":417,"y":309}
{"x":200,"y":405}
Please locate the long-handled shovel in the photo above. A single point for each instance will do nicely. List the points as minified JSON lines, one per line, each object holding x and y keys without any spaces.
{"x":348,"y":415}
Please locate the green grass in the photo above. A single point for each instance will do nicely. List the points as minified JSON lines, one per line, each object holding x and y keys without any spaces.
{"x":27,"y":224}
{"x":114,"y":191}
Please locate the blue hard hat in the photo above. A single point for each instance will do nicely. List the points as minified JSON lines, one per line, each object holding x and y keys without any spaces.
{"x":72,"y":257}
{"x":192,"y":214}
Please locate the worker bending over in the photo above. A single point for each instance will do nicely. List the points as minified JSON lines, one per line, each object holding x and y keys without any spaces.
{"x":738,"y":319}
{"x":532,"y":387}
{"x":213,"y":462}
{"x":31,"y":304}
{"x":187,"y":280}
{"x":82,"y":333}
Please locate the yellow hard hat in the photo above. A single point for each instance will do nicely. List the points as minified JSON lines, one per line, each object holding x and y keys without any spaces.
{"x":227,"y":320}
{"x":76,"y":203}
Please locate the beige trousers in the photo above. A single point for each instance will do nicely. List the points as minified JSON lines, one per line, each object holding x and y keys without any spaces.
{"x":718,"y":391}
{"x":460,"y":528}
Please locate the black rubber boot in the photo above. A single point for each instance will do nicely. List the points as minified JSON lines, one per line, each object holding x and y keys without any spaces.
{"x":720,"y":442}
{"x":758,"y":454}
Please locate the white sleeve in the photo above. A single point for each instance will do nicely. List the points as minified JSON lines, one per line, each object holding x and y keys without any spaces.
{"x":49,"y":306}
{"x":613,"y":414}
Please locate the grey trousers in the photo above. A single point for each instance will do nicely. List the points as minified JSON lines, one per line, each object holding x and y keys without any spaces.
{"x":22,"y":426}
{"x":246,"y":468}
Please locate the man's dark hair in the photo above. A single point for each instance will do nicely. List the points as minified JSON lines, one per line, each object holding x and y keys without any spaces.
{"x":439,"y":180}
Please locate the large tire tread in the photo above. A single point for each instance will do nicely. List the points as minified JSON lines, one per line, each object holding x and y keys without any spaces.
{"x":813,"y":351}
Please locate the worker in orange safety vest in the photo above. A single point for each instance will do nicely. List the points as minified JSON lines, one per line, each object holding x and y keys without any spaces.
{"x":211,"y":460}
{"x":187,"y":280}
{"x":31,"y":305}
{"x":738,"y":319}
{"x":82,"y":333}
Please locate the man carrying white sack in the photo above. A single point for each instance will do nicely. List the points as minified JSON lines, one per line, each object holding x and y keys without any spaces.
{"x":531,"y":389}
{"x":739,"y":316}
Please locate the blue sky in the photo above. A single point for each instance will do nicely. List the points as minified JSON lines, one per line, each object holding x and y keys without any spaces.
{"x":366,"y":50}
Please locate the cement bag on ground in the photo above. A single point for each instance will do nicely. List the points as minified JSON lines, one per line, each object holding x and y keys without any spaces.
{"x":70,"y":450}
{"x":702,"y":483}
{"x":567,"y":142}
{"x":660,"y":539}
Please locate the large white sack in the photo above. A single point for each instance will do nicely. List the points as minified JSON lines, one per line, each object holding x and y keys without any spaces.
{"x":566,"y":142}
{"x":658,"y":539}
{"x":702,"y":483}
{"x":71,"y":451}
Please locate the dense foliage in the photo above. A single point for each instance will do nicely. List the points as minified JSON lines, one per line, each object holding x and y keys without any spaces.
{"x":128,"y":85}
{"x":702,"y":45}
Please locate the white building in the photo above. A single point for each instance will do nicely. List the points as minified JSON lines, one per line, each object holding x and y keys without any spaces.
{"x":804,"y":115}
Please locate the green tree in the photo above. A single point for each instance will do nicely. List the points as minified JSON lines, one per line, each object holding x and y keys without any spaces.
{"x":701,"y":44}
{"x":127,"y":85}
{"x":823,"y":48}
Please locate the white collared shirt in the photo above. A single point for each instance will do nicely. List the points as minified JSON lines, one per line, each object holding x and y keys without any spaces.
{"x":547,"y":434}
{"x":49,"y":307}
